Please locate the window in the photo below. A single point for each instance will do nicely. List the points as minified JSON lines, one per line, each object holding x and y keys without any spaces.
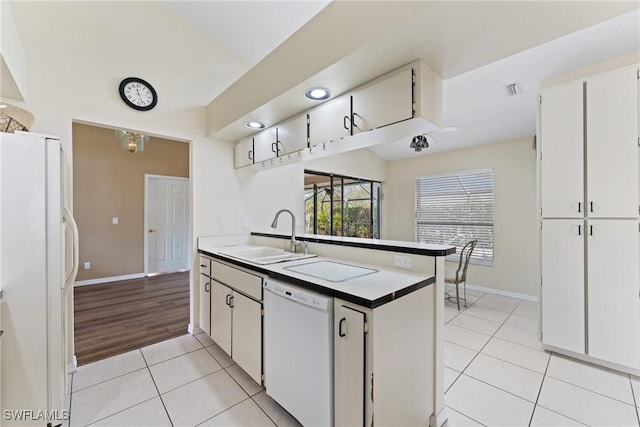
{"x":455,"y":208}
{"x":341,"y":205}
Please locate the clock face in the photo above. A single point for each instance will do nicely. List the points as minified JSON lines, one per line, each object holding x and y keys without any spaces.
{"x":138,"y":94}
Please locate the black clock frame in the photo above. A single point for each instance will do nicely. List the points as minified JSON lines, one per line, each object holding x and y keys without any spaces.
{"x":128,"y":80}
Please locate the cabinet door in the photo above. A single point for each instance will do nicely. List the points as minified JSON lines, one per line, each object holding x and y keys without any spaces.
{"x":205,"y":304}
{"x":292,"y":135}
{"x":562,"y":148}
{"x":613,"y":291}
{"x":349,"y":359}
{"x":330,"y":121}
{"x":264,"y":145}
{"x":221,"y":315}
{"x":247,"y":335}
{"x":389,"y":101}
{"x":563,"y":318}
{"x":243,"y":154}
{"x":612,"y":144}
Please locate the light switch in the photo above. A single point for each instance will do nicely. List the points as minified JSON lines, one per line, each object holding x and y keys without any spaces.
{"x":247,"y":223}
{"x":224,"y":223}
{"x":87,"y":265}
{"x":115,"y":220}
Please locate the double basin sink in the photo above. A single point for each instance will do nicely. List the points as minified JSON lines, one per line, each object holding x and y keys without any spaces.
{"x":331,"y":271}
{"x":263,"y":255}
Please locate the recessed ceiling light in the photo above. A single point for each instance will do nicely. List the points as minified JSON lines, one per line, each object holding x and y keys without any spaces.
{"x":317,"y":94}
{"x":254,"y":125}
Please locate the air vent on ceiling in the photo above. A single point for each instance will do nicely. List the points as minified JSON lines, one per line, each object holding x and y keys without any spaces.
{"x":513,"y":89}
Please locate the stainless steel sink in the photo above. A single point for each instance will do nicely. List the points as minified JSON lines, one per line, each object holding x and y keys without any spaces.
{"x":263,"y":254}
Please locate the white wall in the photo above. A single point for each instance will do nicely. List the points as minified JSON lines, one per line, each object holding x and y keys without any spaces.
{"x":515,"y":221}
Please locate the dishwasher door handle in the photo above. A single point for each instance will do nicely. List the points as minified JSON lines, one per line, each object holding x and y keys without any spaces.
{"x":342,"y":334}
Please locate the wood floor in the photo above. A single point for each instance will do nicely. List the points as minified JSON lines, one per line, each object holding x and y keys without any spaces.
{"x":114,"y":318}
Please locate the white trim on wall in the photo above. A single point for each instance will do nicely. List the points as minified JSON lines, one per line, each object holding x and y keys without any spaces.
{"x":108,"y":279}
{"x":503,"y":293}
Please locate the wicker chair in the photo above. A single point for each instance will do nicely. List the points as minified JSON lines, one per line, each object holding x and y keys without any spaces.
{"x":460,"y":274}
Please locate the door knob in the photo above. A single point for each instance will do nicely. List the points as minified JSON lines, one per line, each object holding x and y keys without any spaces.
{"x":151,"y":230}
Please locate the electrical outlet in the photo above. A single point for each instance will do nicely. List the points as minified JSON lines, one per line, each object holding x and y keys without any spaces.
{"x":224,"y":223}
{"x":246,"y":223}
{"x":115,"y":220}
{"x":402,"y":261}
{"x":87,"y":265}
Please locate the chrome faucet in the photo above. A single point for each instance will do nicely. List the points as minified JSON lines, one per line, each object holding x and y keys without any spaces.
{"x":274,"y":224}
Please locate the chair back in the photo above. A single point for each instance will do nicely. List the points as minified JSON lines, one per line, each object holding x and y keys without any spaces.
{"x":465,"y":255}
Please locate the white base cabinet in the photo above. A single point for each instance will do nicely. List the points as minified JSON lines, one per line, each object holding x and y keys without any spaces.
{"x":236,"y":316}
{"x":384,"y":363}
{"x":205,"y":295}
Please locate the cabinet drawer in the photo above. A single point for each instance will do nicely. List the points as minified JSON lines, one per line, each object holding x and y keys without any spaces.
{"x":246,"y":283}
{"x":205,"y":265}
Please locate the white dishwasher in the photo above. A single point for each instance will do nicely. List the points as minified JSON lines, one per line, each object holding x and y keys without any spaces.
{"x":298,"y":352}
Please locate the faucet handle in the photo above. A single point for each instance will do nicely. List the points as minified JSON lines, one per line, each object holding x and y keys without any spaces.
{"x":305,"y":245}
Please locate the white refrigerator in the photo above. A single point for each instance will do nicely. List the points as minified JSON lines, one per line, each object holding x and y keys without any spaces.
{"x":38,"y":264}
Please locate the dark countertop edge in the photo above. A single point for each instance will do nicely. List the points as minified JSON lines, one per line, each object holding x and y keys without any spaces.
{"x":378,"y":246}
{"x":326,"y":291}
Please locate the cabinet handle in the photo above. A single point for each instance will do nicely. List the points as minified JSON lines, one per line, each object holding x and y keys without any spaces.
{"x":591,"y":230}
{"x":342,"y":334}
{"x":579,"y":206}
{"x":231,"y":301}
{"x":207,"y":287}
{"x":274,"y":147}
{"x":250,"y":154}
{"x":579,"y":230}
{"x":227,"y":299}
{"x":203,"y":265}
{"x":353,"y":120}
{"x":590,"y":206}
{"x":344,"y":123}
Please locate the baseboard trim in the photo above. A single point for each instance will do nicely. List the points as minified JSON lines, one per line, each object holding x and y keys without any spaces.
{"x":503,"y":293}
{"x":194,"y":330}
{"x":73,"y":366}
{"x":592,"y":360}
{"x":108,"y":279}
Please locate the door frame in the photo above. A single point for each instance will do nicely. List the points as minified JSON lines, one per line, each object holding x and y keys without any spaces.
{"x":146,"y":218}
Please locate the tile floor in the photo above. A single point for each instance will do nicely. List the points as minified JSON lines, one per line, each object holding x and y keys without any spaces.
{"x":496,"y":374}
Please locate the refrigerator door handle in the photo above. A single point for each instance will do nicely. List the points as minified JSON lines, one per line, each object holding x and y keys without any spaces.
{"x":68,"y":218}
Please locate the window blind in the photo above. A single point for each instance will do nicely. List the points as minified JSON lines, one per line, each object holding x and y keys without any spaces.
{"x":455,"y":208}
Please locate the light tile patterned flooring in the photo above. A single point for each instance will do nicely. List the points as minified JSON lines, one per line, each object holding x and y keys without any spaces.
{"x":496,"y":374}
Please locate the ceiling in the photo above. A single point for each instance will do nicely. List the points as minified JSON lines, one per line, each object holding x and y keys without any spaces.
{"x":476,"y":46}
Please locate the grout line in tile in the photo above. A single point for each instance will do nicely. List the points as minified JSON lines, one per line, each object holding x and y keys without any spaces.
{"x":497,"y":388}
{"x":225,"y":410}
{"x":454,"y":381}
{"x":240,"y":385}
{"x":535,"y":405}
{"x":263,"y":411}
{"x":473,"y":419}
{"x":125,"y":409}
{"x":556,"y":412}
{"x":175,"y":357}
{"x":71,"y":398}
{"x":636,"y":399}
{"x":157,"y":389}
{"x":112,"y":378}
{"x":588,"y":389}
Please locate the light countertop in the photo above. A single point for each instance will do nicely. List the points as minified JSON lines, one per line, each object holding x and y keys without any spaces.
{"x":370,"y":291}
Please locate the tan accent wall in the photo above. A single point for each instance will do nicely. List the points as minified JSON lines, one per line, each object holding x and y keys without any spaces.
{"x":109,"y":182}
{"x":515,"y":267}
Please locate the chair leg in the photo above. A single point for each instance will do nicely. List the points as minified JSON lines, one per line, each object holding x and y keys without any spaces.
{"x":465,"y":293}
{"x":458,"y":296}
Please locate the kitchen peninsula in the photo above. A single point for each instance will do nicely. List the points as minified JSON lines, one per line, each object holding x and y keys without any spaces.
{"x":388,"y":359}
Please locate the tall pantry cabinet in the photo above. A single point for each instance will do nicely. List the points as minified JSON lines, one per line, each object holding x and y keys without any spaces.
{"x":590,"y":210}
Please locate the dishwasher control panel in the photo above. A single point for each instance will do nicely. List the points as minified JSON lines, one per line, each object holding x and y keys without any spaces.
{"x":301,"y":296}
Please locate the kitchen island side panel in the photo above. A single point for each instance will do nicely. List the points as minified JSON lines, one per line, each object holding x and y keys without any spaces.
{"x":403,"y":360}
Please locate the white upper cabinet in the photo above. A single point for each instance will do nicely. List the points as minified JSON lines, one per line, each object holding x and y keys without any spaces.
{"x":243,"y":154}
{"x":292,"y":135}
{"x":264,"y":145}
{"x":383,"y":103}
{"x":562,"y":148}
{"x":330,"y":121}
{"x":612,"y":144}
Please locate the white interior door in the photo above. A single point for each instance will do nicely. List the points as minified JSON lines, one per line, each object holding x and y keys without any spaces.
{"x":167,"y":223}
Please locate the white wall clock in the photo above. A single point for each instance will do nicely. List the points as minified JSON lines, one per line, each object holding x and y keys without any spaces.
{"x":138,"y":94}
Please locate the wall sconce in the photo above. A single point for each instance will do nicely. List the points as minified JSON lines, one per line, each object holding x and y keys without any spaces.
{"x":131,"y":141}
